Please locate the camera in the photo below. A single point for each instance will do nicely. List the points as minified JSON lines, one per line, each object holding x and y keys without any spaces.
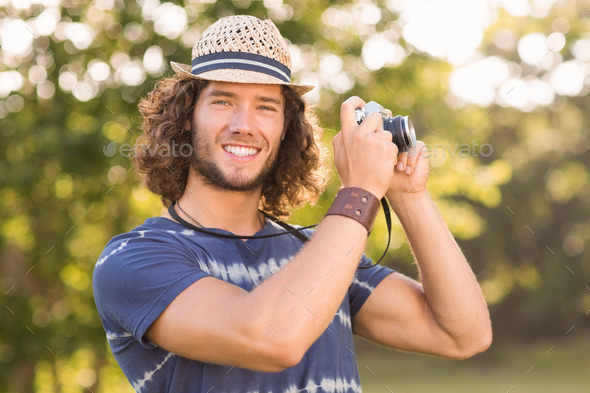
{"x":401,"y":127}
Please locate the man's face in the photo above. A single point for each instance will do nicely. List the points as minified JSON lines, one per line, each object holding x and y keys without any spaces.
{"x":237,"y":130}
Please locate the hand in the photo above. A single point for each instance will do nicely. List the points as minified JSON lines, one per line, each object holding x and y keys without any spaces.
{"x":410,"y":174}
{"x":364,"y":154}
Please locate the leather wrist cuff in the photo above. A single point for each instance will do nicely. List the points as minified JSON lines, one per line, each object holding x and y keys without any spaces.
{"x":356,"y":203}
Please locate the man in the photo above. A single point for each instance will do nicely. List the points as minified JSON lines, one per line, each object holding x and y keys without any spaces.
{"x":190,"y":307}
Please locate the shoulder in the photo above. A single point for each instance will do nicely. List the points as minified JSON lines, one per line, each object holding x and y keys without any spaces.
{"x":155,"y":247}
{"x":154,"y":261}
{"x":155,"y":232}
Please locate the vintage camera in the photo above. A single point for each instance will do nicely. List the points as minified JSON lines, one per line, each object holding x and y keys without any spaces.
{"x":401,"y":127}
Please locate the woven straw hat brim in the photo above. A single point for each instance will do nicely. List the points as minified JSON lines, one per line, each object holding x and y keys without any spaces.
{"x":236,"y":76}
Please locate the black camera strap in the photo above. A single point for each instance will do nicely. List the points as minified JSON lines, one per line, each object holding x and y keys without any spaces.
{"x":288,"y":229}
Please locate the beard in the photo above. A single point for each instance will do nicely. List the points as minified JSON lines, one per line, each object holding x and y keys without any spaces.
{"x":212,"y":175}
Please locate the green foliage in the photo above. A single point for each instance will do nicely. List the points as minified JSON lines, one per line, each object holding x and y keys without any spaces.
{"x":512,"y":183}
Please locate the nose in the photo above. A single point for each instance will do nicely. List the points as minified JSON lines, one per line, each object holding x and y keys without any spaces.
{"x":242,"y":120}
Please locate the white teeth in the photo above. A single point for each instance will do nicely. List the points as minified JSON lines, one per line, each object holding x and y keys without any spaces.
{"x":240,"y":151}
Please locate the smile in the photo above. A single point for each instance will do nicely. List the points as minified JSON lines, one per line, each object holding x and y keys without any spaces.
{"x":241,"y":151}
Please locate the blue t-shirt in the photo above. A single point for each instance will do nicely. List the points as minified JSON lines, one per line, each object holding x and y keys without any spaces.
{"x":140,"y":272}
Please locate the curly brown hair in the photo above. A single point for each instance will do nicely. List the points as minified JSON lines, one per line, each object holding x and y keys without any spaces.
{"x":298,"y":176}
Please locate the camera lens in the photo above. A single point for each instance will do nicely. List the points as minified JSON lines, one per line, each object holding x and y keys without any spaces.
{"x":402,"y":129}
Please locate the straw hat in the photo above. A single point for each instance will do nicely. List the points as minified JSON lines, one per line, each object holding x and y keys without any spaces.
{"x":242,"y":49}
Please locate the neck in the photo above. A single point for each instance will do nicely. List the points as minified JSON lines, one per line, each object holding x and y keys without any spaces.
{"x":236,"y":212}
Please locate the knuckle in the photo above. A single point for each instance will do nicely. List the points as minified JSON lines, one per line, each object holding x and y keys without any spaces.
{"x":350,"y":102}
{"x":357,"y":138}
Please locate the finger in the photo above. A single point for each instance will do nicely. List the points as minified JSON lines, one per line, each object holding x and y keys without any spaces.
{"x":414,"y":154}
{"x":390,"y":147}
{"x":347,"y":111}
{"x":337,"y":144}
{"x":373,"y":123}
{"x":402,"y":160}
{"x":384,"y":135}
{"x":351,"y":129}
{"x":339,"y":149}
{"x":388,"y":150}
{"x":337,"y":137}
{"x":337,"y":140}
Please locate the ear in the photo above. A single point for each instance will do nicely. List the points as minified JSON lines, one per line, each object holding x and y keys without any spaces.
{"x":187,"y":125}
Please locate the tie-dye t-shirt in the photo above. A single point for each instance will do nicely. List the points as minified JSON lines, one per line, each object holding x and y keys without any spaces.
{"x":140,"y":272}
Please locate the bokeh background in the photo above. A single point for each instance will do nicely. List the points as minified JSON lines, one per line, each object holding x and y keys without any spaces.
{"x":497,"y":89}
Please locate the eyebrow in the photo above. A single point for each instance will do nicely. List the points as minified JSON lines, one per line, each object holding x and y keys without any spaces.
{"x":222,"y":93}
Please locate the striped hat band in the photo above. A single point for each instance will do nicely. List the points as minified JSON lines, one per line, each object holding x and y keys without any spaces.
{"x":241,"y":61}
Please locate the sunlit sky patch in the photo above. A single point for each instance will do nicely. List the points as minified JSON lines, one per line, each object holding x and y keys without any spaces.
{"x":379,"y":51}
{"x":568,"y":78}
{"x":15,"y":37}
{"x":467,"y":82}
{"x":450,"y":30}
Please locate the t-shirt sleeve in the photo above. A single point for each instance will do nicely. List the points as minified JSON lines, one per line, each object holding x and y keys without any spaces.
{"x":137,"y":277}
{"x":364,"y":282}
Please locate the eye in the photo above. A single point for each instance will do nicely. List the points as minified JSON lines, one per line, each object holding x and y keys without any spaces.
{"x":267,"y":108}
{"x":221,"y":102}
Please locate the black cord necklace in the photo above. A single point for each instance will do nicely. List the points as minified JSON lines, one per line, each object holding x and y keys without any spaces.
{"x":288,"y":228}
{"x":189,"y":216}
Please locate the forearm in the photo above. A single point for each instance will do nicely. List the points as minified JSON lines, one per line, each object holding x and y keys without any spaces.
{"x":451,"y":291}
{"x":300,"y":300}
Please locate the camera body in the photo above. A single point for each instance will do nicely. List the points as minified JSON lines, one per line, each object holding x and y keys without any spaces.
{"x":401,"y":127}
